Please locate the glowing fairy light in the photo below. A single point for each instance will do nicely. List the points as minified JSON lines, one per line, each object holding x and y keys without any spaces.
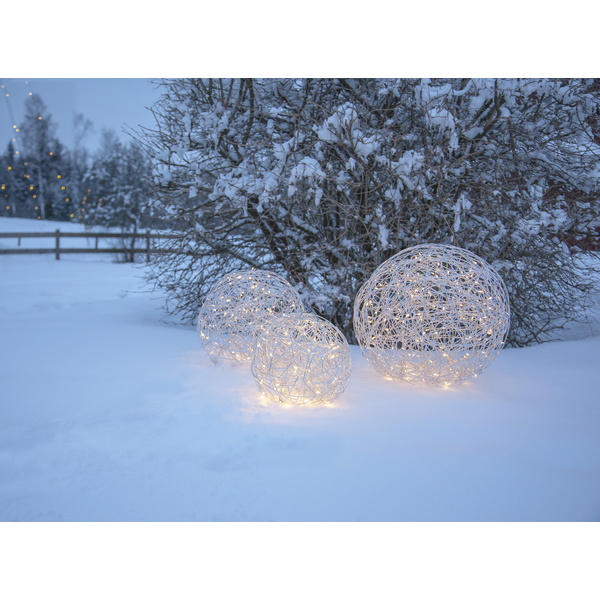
{"x":432,"y":314}
{"x":301,"y":359}
{"x":238,"y":307}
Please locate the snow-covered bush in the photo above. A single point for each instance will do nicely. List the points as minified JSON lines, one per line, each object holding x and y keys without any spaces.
{"x":321,"y":180}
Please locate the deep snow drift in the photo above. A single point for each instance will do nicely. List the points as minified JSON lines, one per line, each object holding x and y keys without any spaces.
{"x":107,"y":414}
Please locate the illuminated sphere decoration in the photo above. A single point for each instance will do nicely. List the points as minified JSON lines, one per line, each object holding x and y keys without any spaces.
{"x":301,"y":359}
{"x":238,"y":307}
{"x":432,"y":314}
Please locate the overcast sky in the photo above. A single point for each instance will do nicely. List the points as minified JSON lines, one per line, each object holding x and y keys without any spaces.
{"x":108,"y":103}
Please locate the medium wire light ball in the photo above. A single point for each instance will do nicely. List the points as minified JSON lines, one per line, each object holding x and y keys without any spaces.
{"x":301,"y":359}
{"x":238,"y":307}
{"x":432,"y":314}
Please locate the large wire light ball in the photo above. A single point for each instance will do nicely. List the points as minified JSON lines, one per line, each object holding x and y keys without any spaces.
{"x":238,"y":307}
{"x":301,"y":359}
{"x":432,"y":314}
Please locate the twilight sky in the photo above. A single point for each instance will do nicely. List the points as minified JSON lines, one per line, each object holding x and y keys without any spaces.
{"x":108,"y":103}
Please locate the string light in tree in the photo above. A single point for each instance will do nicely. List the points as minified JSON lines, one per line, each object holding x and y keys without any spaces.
{"x":15,"y":140}
{"x":16,"y":145}
{"x":17,"y":151}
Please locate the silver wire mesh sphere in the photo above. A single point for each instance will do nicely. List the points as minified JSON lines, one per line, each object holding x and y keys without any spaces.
{"x":240,"y":306}
{"x":301,"y":359}
{"x":432,"y":314}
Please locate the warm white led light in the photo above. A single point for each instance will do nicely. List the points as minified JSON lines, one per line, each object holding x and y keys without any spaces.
{"x":301,"y":359}
{"x":432,"y":314}
{"x":240,"y":306}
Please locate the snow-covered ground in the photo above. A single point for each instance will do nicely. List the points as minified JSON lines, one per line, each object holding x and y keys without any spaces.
{"x":107,"y":414}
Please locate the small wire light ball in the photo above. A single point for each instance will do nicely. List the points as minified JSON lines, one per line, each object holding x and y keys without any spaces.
{"x":240,"y":306}
{"x":432,"y":314}
{"x":301,"y":359}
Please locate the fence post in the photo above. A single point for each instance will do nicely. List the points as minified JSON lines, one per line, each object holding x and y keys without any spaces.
{"x":147,"y":245}
{"x":58,"y":244}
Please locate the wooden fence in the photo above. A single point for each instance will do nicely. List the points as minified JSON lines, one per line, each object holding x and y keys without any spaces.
{"x":57,"y":250}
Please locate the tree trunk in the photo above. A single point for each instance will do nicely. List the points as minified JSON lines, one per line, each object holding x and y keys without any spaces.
{"x":41,"y":184}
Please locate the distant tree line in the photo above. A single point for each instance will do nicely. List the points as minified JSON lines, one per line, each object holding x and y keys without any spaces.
{"x":40,"y":178}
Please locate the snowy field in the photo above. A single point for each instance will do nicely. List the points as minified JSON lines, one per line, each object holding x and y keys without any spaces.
{"x":107,"y":414}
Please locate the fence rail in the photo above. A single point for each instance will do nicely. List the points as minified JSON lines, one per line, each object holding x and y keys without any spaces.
{"x":57,"y":250}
